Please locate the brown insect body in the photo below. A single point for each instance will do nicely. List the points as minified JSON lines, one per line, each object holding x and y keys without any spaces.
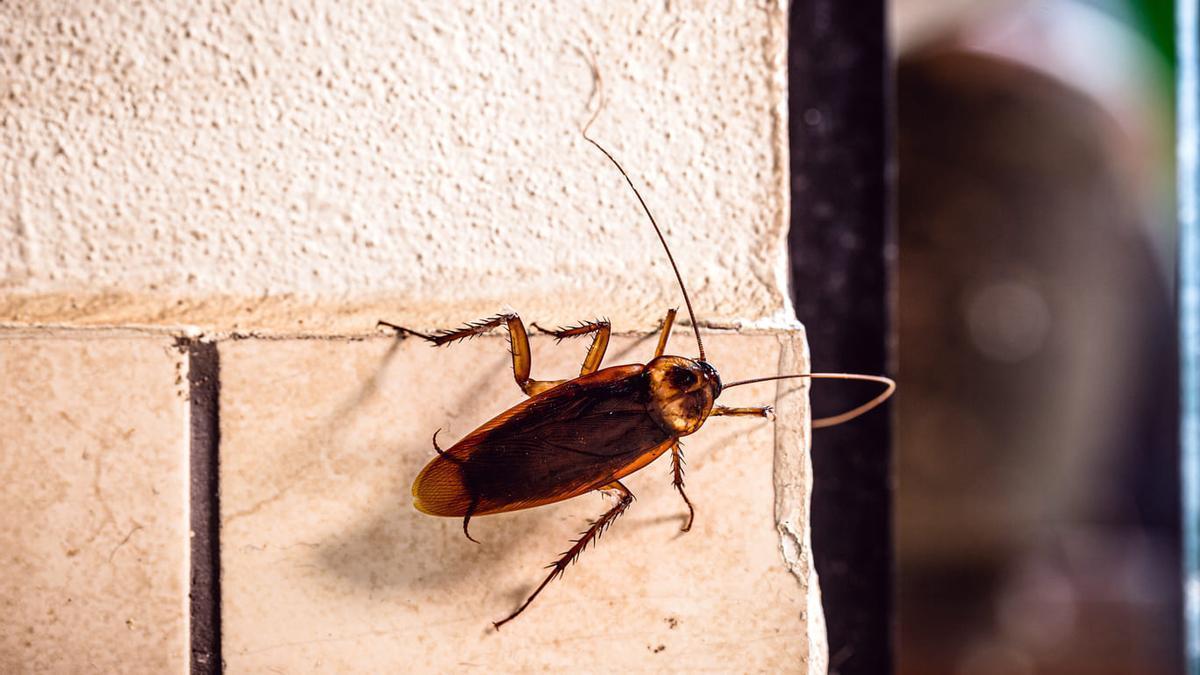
{"x":573,"y":438}
{"x":583,"y":434}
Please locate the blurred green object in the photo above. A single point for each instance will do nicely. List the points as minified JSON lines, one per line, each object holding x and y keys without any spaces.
{"x":1154,"y":20}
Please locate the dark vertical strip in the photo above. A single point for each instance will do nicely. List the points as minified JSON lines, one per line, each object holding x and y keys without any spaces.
{"x":204,"y":369}
{"x":840,"y":108}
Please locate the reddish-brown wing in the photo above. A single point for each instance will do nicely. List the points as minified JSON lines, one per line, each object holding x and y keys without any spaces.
{"x":576,"y":437}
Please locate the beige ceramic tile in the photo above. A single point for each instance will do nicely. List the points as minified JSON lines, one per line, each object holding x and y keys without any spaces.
{"x":327,"y":566}
{"x":93,"y":576}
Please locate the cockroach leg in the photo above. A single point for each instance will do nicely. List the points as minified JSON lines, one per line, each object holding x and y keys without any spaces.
{"x":470,"y":330}
{"x":467,"y":518}
{"x":535,"y":387}
{"x":677,"y":481}
{"x":435,"y":445}
{"x":401,"y":330}
{"x":595,"y":529}
{"x":664,"y":333}
{"x":518,"y":341}
{"x":758,"y":411}
{"x":602,"y":329}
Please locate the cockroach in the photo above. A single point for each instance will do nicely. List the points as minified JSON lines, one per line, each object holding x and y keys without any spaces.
{"x":585,"y":434}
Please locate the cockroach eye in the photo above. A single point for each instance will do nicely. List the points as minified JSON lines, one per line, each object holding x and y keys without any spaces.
{"x":682,"y":378}
{"x":711,"y":375}
{"x":584,"y":434}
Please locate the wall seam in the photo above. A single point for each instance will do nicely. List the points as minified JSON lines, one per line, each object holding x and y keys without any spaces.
{"x":204,"y":387}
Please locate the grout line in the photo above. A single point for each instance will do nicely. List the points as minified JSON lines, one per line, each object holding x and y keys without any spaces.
{"x":188,"y":336}
{"x":204,"y":370}
{"x":17,"y":329}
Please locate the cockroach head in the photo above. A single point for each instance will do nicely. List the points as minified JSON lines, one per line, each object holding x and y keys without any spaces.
{"x":682,"y":392}
{"x":711,"y":374}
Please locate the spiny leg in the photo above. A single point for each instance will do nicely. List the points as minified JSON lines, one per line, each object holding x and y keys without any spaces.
{"x":470,"y":330}
{"x":467,"y":518}
{"x":664,"y":333}
{"x":401,"y":330}
{"x":677,"y":452}
{"x":595,"y":353}
{"x":595,"y":529}
{"x":757,"y":411}
{"x":518,"y":341}
{"x":677,"y":481}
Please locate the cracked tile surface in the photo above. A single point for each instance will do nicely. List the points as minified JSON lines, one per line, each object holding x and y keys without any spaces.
{"x":93,"y":452}
{"x":327,"y":565}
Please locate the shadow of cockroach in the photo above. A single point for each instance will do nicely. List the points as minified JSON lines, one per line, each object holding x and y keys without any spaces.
{"x":397,"y":548}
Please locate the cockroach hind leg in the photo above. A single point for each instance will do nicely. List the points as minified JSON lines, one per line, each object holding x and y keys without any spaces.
{"x":467,"y":519}
{"x":589,"y":536}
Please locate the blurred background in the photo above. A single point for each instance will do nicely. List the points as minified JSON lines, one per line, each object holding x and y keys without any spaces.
{"x":1037,"y":503}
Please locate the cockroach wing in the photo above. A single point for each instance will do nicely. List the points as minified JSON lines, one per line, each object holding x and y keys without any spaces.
{"x":576,"y":437}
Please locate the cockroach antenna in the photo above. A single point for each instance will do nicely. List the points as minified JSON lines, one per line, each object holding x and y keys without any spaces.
{"x":834,"y":420}
{"x":599,"y":95}
{"x":584,"y":434}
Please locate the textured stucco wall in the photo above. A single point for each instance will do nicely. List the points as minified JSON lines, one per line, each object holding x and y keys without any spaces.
{"x":312,"y":167}
{"x":299,"y":170}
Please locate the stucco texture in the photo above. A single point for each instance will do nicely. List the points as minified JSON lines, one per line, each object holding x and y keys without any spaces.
{"x":311,"y":167}
{"x":277,"y":177}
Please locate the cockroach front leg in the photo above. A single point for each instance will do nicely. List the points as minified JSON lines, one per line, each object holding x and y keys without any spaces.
{"x":664,"y":333}
{"x":518,"y":341}
{"x":595,"y":353}
{"x":677,"y":481}
{"x":595,"y":529}
{"x":758,"y":411}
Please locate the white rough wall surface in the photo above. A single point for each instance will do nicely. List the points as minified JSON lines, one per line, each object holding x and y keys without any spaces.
{"x":303,"y":169}
{"x":312,"y":167}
